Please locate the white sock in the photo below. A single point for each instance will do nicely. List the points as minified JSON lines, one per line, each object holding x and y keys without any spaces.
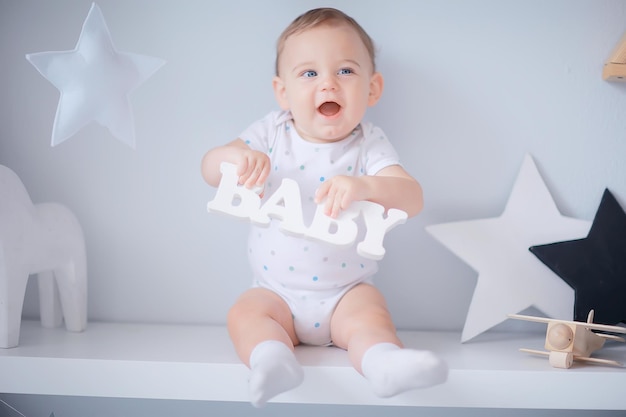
{"x":392,"y":370}
{"x":273,"y":370}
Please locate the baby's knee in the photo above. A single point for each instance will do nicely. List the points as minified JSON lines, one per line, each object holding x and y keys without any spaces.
{"x":234,"y":315}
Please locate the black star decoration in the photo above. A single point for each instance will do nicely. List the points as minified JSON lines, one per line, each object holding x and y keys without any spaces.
{"x":595,"y":266}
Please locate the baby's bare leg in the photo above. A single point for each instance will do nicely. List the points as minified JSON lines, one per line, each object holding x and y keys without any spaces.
{"x":360,"y":321}
{"x":362,"y":325}
{"x":261,"y":328}
{"x":259,"y":315}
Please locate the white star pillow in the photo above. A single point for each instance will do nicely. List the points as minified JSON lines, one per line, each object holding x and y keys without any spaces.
{"x":510,"y":277}
{"x":94,"y":80}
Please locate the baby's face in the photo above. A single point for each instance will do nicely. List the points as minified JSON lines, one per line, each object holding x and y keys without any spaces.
{"x":327,"y":81}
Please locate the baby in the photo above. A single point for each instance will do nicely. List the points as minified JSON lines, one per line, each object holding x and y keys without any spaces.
{"x":311,"y":292}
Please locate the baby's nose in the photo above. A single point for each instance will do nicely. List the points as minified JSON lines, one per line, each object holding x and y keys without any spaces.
{"x":328,"y":84}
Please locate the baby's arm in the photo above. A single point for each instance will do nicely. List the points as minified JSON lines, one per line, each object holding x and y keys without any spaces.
{"x":253,"y":167}
{"x":391,"y":187}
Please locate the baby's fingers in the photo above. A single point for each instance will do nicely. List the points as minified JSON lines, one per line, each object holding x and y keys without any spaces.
{"x":243,"y":170}
{"x":257,"y":174}
{"x":331,"y":197}
{"x":262,"y":171}
{"x":334,"y":206}
{"x":322,"y":192}
{"x":253,"y":171}
{"x":333,"y":202}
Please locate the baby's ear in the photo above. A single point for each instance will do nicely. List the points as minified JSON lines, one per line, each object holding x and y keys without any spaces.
{"x":280,"y":92}
{"x":376,"y":88}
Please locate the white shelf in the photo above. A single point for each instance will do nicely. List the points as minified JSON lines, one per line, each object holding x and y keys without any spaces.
{"x":198,"y":363}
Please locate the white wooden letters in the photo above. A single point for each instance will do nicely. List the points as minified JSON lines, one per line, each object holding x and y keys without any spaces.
{"x":285,"y":205}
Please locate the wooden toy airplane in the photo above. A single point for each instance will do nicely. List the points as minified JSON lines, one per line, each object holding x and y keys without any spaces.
{"x":567,"y":341}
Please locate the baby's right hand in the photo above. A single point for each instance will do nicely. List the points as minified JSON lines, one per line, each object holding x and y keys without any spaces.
{"x":253,"y":168}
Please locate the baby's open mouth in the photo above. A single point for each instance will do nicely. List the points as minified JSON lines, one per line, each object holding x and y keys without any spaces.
{"x":329,"y":108}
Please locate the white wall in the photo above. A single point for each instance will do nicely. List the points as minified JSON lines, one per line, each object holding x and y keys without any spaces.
{"x":471,"y":87}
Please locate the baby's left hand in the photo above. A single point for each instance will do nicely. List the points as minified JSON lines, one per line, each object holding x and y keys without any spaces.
{"x":340,"y":192}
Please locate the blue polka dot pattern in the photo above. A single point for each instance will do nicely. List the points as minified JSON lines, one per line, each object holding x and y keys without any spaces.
{"x":300,"y":267}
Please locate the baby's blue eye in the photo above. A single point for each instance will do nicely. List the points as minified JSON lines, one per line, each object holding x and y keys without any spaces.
{"x":309,"y":74}
{"x":345,"y":71}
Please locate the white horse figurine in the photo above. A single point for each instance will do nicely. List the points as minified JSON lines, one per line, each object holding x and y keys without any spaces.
{"x":43,"y":239}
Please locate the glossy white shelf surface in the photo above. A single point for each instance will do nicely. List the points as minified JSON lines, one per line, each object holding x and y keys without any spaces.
{"x":194,"y":362}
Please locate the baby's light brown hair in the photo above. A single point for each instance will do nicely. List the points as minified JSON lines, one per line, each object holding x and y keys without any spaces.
{"x":328,"y":16}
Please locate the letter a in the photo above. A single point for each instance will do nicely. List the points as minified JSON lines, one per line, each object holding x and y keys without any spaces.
{"x":284,"y":204}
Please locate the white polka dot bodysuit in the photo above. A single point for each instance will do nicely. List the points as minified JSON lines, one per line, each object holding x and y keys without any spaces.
{"x":311,"y":276}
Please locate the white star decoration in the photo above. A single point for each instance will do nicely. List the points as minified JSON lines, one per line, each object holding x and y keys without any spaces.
{"x":510,"y":277}
{"x":94,"y":80}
